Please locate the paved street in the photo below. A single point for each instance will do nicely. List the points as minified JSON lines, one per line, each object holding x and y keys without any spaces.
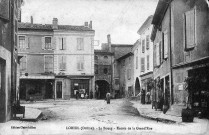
{"x":92,"y":117}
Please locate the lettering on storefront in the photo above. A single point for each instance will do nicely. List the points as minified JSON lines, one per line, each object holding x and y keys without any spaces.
{"x":181,"y":87}
{"x":199,"y":66}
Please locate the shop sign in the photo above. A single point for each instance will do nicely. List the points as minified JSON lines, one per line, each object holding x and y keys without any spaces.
{"x":199,"y":66}
{"x":181,"y":87}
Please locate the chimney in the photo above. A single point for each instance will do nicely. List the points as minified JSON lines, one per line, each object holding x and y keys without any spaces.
{"x":90,"y":25}
{"x":86,"y":24}
{"x":55,"y":23}
{"x":31,"y":19}
{"x":109,"y":42}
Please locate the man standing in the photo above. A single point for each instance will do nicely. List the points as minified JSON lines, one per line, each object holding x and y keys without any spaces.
{"x":108,"y":97}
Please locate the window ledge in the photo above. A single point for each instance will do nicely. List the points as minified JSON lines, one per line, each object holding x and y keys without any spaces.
{"x":189,"y":49}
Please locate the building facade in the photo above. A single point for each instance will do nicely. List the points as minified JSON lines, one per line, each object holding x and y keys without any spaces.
{"x":103,"y":72}
{"x":183,"y":32}
{"x":9,"y":15}
{"x":36,"y":49}
{"x":126,"y":74}
{"x":56,"y":60}
{"x":73,"y":59}
{"x":144,"y":58}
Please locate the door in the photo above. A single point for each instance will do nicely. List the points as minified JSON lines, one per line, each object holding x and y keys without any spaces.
{"x":2,"y":90}
{"x":59,"y":89}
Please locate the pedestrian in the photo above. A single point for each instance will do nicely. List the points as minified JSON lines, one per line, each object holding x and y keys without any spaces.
{"x":108,"y":98}
{"x":77,"y":94}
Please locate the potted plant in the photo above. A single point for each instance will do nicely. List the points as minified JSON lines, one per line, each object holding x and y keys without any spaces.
{"x":188,"y":114}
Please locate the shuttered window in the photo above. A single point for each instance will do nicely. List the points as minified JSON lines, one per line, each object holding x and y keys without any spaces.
{"x":147,"y":42}
{"x":148,"y":62}
{"x":62,"y":63}
{"x":189,"y":29}
{"x":62,"y":43}
{"x":80,"y":44}
{"x":143,"y":46}
{"x":157,"y":54}
{"x":23,"y":63}
{"x":142,"y":64}
{"x":48,"y":63}
{"x":165,"y":45}
{"x":80,"y":63}
{"x":48,"y":43}
{"x":22,"y":42}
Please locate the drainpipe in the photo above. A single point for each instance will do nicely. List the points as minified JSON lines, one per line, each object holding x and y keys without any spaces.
{"x":171,"y":71}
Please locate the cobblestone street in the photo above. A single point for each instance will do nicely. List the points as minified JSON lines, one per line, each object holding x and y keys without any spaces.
{"x":92,"y":117}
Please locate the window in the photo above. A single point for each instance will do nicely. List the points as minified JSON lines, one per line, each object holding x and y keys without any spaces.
{"x":96,"y":68}
{"x":157,"y":54}
{"x":23,"y":64}
{"x":161,"y":52}
{"x":154,"y":56}
{"x":123,"y":62}
{"x":80,"y":44}
{"x":105,"y":57}
{"x":136,"y":62}
{"x":147,"y":62}
{"x":105,"y":70}
{"x":129,"y":74}
{"x":80,"y":63}
{"x":142,"y":64}
{"x":62,"y":43}
{"x":62,"y":63}
{"x":48,"y":63}
{"x":21,"y":42}
{"x":116,"y":81}
{"x":46,"y":43}
{"x":96,"y":58}
{"x":147,"y":42}
{"x":143,"y":46}
{"x":189,"y":29}
{"x":165,"y":45}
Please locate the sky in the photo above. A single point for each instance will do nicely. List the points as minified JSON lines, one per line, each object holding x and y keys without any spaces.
{"x":119,"y":18}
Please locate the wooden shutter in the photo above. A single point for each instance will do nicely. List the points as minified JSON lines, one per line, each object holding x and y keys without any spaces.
{"x":27,"y":42}
{"x":64,"y":43}
{"x":147,"y":62}
{"x":53,"y":43}
{"x":157,"y":54}
{"x":154,"y":56}
{"x":60,"y":43}
{"x":165,"y":46}
{"x":43,"y":42}
{"x":190,"y":28}
{"x":60,"y":62}
{"x":64,"y":62}
{"x":147,"y":42}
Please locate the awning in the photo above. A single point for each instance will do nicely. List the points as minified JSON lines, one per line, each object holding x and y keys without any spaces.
{"x":37,"y":77}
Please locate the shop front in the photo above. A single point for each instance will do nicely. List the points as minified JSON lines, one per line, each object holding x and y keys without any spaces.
{"x":198,"y":88}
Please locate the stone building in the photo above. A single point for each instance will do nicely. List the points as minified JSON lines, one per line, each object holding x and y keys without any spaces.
{"x":143,"y":58}
{"x":181,"y":51}
{"x":126,"y":74}
{"x":56,"y":60}
{"x":9,"y":15}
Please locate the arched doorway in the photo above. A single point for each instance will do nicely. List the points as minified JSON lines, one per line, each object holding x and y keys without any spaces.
{"x":103,"y":88}
{"x":137,"y":86}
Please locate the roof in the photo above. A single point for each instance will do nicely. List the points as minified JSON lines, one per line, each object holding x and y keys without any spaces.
{"x":121,"y":45}
{"x":103,"y":52}
{"x":125,"y":56}
{"x":160,"y":11}
{"x":145,"y":25}
{"x":48,"y":27}
{"x":159,"y":14}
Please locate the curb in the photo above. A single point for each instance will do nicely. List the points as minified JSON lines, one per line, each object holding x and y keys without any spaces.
{"x":33,"y":120}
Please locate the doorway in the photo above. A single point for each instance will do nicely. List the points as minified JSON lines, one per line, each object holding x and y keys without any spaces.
{"x":59,"y":89}
{"x":137,"y":86}
{"x":103,"y":88}
{"x":2,"y":90}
